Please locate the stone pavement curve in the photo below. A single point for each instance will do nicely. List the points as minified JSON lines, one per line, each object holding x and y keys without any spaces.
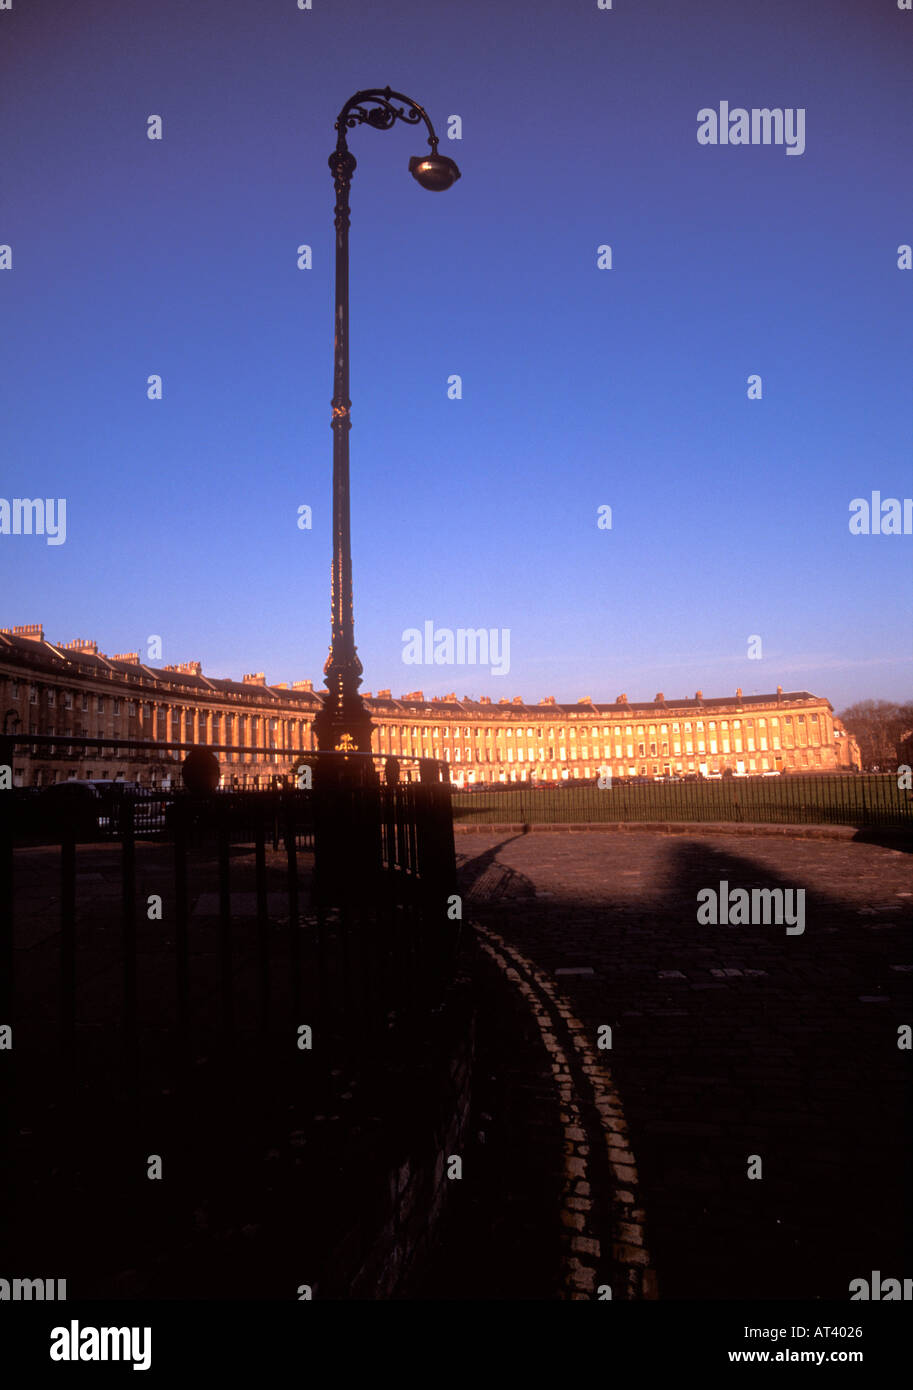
{"x":747,"y":1134}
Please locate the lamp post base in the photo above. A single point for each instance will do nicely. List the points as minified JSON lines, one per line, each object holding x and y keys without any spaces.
{"x":343,"y":726}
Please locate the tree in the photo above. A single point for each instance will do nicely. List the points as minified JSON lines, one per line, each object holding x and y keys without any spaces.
{"x":879,"y":727}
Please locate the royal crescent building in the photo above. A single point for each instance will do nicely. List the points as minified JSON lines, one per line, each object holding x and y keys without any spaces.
{"x":72,"y":690}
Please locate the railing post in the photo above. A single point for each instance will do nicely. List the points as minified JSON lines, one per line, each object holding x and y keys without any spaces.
{"x":436,"y":866}
{"x":225,"y":951}
{"x":7,"y":1092}
{"x":291,"y":860}
{"x":6,"y":905}
{"x":181,"y":937}
{"x":68,"y":949}
{"x":262,"y":920}
{"x":128,"y":932}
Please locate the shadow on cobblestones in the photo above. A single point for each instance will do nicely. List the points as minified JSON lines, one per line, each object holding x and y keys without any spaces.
{"x":485,"y":877}
{"x":732,"y":1041}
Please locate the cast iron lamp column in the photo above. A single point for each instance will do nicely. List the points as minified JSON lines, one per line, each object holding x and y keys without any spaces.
{"x":343,"y":724}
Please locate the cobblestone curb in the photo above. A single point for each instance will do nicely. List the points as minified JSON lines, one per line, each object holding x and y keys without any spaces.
{"x":703,"y":827}
{"x":589,"y":1104}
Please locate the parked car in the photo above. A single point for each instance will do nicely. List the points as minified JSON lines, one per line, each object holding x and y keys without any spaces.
{"x":148,"y":806}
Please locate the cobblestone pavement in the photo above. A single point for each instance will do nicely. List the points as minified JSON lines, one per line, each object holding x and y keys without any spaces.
{"x":727,"y":1042}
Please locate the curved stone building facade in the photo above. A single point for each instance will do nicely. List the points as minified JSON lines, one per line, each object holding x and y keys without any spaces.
{"x":74,"y":690}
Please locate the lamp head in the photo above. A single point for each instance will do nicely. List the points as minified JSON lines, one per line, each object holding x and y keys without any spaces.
{"x":434,"y":171}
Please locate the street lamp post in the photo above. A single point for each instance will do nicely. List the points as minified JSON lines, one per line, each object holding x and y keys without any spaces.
{"x":343,"y":724}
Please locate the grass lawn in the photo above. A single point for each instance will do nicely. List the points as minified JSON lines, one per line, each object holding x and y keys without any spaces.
{"x":839,"y":800}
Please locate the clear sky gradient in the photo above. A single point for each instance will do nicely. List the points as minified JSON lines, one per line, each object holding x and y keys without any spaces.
{"x":581,"y":387}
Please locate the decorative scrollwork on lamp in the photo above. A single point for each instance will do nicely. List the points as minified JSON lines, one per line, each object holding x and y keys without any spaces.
{"x":383,"y":114}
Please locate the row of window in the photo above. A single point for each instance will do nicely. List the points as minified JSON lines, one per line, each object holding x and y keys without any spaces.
{"x":762,"y":764}
{"x":713,"y":744}
{"x":687,"y":727}
{"x":67,"y":701}
{"x":646,"y":739}
{"x":618,"y":754}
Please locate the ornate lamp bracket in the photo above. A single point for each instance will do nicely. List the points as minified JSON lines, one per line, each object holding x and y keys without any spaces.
{"x":377,"y":107}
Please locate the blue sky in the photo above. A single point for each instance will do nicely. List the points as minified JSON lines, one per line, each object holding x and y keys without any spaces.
{"x":581,"y":387}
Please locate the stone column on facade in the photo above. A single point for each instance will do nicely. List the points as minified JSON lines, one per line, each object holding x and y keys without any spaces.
{"x":163,"y":733}
{"x":153,"y":735}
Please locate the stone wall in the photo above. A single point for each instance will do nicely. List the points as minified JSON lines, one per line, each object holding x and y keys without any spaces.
{"x":390,"y":1199}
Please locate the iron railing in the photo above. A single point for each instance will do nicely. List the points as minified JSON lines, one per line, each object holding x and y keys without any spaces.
{"x":248,"y":963}
{"x":376,"y":848}
{"x":156,"y":760}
